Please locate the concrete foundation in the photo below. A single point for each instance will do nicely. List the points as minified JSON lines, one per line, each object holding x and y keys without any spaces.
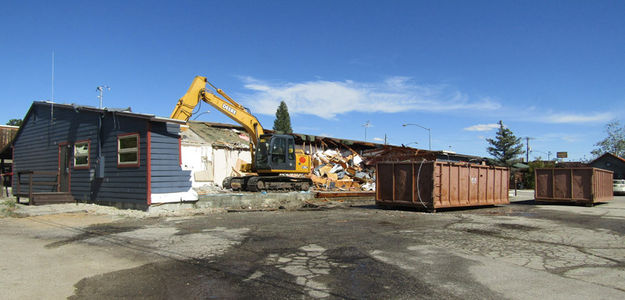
{"x":290,"y":200}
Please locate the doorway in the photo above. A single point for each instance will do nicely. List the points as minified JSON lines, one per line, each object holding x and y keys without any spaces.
{"x":64,"y":165}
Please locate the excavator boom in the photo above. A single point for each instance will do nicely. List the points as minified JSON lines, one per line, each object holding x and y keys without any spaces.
{"x":272,"y":154}
{"x":197,"y":91}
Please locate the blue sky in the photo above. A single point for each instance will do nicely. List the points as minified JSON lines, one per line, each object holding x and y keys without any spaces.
{"x":551,"y":70}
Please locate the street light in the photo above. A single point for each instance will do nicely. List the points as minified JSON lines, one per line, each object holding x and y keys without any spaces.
{"x":429,"y":133}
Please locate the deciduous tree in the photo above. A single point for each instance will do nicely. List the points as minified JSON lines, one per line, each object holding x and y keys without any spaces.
{"x":615,"y":141}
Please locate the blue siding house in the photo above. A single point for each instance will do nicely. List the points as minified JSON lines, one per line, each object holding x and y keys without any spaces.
{"x":610,"y":162}
{"x":105,"y":156}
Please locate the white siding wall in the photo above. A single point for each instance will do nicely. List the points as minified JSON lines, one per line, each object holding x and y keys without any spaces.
{"x":197,"y":158}
{"x":224,"y":160}
{"x":202,"y":158}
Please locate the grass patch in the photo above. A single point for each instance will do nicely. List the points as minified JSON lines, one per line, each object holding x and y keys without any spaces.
{"x":8,"y":207}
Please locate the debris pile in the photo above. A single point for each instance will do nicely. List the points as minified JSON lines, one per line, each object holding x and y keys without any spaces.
{"x":387,"y":153}
{"x":208,"y":188}
{"x":345,"y":171}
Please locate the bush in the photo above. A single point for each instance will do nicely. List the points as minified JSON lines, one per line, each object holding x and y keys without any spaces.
{"x":529,"y":179}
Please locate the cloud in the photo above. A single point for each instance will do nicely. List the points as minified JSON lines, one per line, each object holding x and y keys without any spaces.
{"x":378,"y":139}
{"x":482,"y":127}
{"x":327,"y":99}
{"x":566,"y":137}
{"x":561,"y":118}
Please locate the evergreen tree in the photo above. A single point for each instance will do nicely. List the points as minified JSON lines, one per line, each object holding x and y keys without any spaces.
{"x":615,"y":141}
{"x":282,"y":123}
{"x":505,"y":147}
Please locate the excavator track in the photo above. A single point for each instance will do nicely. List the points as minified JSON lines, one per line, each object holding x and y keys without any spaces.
{"x":267,"y":183}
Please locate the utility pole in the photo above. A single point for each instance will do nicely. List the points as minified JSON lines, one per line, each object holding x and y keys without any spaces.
{"x":52,"y":99}
{"x":527,"y":148}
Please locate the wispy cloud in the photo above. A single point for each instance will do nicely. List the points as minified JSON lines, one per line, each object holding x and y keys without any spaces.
{"x":327,"y":99}
{"x":378,"y":139}
{"x":555,"y":137}
{"x":482,"y":127}
{"x":561,"y":118}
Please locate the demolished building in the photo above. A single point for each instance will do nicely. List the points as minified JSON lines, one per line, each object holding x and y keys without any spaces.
{"x":214,"y":151}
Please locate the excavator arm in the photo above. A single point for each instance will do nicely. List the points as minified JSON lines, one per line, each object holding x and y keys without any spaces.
{"x":276,"y":153}
{"x":197,"y":91}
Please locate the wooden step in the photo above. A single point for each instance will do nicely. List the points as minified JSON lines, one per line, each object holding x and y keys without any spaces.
{"x":51,"y":198}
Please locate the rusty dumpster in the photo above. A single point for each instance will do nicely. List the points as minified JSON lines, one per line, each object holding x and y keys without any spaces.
{"x":430,"y":185}
{"x":575,"y":185}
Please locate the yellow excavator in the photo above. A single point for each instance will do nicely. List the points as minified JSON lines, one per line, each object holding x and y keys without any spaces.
{"x":272,"y":154}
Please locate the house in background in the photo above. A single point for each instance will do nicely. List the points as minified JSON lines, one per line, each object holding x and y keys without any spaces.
{"x":6,"y":153}
{"x":611,"y":162}
{"x":107,"y":156}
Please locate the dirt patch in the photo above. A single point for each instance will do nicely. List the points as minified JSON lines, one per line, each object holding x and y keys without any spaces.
{"x":519,"y":227}
{"x":94,"y":231}
{"x":482,"y":231}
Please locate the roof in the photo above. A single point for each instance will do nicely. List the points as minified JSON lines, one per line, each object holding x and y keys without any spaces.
{"x":608,"y":155}
{"x":219,"y":135}
{"x":118,"y":111}
{"x":234,"y":137}
{"x":520,"y":166}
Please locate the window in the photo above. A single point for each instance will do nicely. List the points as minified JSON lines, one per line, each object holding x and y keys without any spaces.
{"x":81,"y":155}
{"x":128,"y":150}
{"x":291,"y":150}
{"x":278,"y":151}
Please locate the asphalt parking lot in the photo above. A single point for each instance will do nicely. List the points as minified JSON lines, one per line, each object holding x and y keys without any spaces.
{"x":518,"y":251}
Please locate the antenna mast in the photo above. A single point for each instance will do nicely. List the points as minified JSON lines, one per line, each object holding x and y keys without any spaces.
{"x":101,"y":89}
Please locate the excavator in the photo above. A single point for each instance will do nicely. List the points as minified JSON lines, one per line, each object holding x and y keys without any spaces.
{"x":272,"y":154}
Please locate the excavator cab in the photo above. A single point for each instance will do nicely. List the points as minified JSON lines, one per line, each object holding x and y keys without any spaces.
{"x":275,"y":153}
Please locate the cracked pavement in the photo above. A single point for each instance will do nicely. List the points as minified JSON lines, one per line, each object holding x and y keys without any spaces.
{"x":519,"y":251}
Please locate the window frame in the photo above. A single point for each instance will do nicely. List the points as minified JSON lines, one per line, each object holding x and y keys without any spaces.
{"x":82,"y":166}
{"x":129,"y":150}
{"x":291,"y":150}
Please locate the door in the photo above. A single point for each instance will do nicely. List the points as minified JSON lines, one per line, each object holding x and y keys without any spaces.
{"x":282,"y":153}
{"x":64,"y":164}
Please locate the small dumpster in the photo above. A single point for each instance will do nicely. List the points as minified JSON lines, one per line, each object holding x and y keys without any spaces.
{"x":575,"y":185}
{"x":430,"y":185}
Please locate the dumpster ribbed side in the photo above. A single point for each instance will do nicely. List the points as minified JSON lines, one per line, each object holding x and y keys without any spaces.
{"x":575,"y":185}
{"x":432,"y":185}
